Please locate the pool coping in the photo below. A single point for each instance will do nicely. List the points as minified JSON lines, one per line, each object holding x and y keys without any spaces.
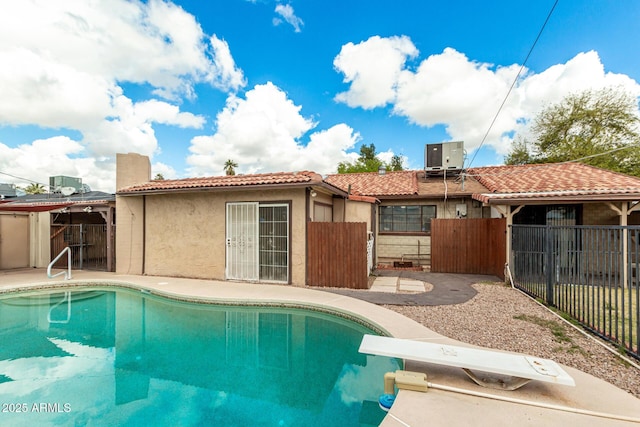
{"x":410,"y":408}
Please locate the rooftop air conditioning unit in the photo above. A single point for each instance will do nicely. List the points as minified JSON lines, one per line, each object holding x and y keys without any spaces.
{"x":444,"y":156}
{"x":57,"y":183}
{"x":8,"y":190}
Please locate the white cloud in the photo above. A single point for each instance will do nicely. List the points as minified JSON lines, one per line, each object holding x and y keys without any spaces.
{"x":263,"y":133}
{"x":54,"y":156}
{"x":36,"y":90}
{"x":162,"y":112}
{"x":64,"y":65}
{"x":372,"y":68}
{"x":165,"y":170}
{"x":286,"y":12}
{"x":461,"y":94}
{"x":155,"y":42}
{"x":226,"y":75}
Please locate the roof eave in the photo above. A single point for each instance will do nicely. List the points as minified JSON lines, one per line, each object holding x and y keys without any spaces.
{"x":248,"y":187}
{"x":541,"y":200}
{"x":420,"y":196}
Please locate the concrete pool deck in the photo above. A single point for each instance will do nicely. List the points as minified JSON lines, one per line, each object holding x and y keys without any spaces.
{"x":435,"y":407}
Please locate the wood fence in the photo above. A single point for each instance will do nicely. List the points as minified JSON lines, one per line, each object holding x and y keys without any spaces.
{"x":337,"y":254}
{"x":472,"y":246}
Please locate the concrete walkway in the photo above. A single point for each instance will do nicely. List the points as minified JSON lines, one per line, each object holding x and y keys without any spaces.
{"x":398,"y":287}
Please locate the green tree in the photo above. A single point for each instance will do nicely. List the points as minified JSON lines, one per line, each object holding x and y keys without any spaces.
{"x":159,"y":177}
{"x":34,"y":188}
{"x":519,"y":154}
{"x":369,"y":162}
{"x":396,"y":163}
{"x":598,"y":127}
{"x":229,"y":167}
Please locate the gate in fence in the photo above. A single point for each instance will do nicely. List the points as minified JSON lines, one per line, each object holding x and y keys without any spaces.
{"x":589,"y":272}
{"x":88,"y":244}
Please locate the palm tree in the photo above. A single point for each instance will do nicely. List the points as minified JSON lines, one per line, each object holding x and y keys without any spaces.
{"x":34,"y":188}
{"x":229,"y":167}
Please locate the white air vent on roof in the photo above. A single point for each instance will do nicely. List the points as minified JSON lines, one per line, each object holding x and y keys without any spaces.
{"x":67,"y":191}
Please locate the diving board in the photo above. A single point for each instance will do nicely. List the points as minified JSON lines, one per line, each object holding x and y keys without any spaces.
{"x":522,"y":367}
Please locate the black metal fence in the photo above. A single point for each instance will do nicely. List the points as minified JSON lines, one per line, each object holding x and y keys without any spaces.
{"x":590,"y":273}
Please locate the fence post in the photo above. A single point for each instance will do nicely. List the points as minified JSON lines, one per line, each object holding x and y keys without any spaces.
{"x":549,"y":263}
{"x":81,"y":257}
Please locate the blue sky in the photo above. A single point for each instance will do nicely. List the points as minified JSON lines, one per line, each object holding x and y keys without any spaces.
{"x":288,"y":85}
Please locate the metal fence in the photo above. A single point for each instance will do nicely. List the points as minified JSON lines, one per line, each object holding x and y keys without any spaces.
{"x":590,"y":273}
{"x":88,"y":244}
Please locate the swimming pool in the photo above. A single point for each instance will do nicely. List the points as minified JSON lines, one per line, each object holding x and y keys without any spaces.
{"x":105,"y":356}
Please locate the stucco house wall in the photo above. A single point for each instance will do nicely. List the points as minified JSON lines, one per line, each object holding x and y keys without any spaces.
{"x":131,"y":169}
{"x":357,"y":211}
{"x":130,"y":235}
{"x":185,"y":233}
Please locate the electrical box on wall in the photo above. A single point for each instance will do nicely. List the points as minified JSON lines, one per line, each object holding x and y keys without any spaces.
{"x":444,"y":156}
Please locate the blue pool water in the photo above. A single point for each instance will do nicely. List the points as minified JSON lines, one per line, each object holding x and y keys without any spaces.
{"x":121,"y":357}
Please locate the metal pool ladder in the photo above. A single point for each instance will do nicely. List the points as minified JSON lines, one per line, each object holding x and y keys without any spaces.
{"x":67,"y":273}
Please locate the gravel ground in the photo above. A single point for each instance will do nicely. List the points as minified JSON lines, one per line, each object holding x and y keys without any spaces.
{"x":512,"y":321}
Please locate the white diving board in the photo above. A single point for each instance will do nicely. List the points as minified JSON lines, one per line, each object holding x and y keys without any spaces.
{"x":521,"y":367}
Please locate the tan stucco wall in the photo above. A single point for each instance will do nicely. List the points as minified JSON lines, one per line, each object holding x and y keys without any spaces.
{"x":14,"y":240}
{"x":39,"y":239}
{"x":131,"y":169}
{"x":359,"y":212}
{"x":185,"y":233}
{"x":129,"y":235}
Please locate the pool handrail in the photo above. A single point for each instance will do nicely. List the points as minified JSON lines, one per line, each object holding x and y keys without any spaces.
{"x":67,"y":273}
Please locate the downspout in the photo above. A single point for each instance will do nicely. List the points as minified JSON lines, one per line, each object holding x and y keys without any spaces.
{"x":144,"y":232}
{"x":374,"y":232}
{"x":307,"y":216}
{"x":110,"y":239}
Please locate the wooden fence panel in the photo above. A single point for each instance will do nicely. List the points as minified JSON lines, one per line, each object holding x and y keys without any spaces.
{"x":337,"y":254}
{"x":471,"y":246}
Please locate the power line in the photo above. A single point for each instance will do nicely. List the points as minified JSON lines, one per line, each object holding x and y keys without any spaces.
{"x":515,"y":80}
{"x":23,"y":179}
{"x":543,"y":165}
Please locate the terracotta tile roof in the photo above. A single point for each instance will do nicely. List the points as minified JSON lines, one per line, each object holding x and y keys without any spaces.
{"x":553,"y":180}
{"x":265,"y":179}
{"x":367,"y":199}
{"x":404,"y":184}
{"x":455,"y":186}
